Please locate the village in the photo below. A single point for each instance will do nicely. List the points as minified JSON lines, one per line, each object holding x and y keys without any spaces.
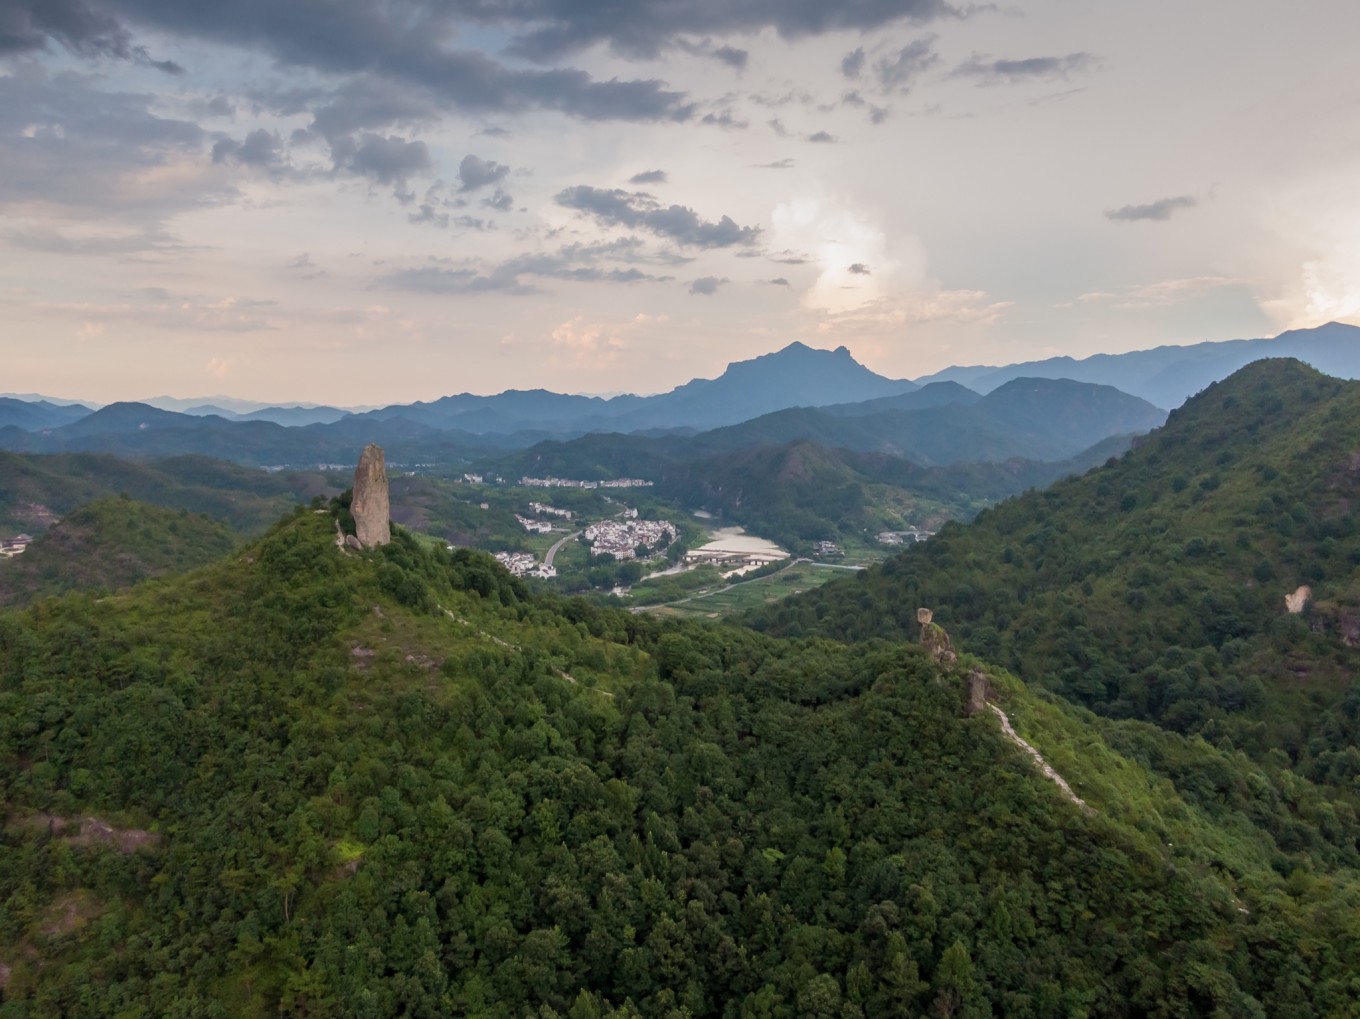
{"x":529,"y":482}
{"x":623,"y":538}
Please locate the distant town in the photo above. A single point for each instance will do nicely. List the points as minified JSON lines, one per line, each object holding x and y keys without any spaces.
{"x":529,"y":482}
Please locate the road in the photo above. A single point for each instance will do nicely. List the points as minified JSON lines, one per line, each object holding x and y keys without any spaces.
{"x":548,"y":559}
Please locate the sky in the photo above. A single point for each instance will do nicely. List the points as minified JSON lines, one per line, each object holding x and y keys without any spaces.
{"x":357,"y":202}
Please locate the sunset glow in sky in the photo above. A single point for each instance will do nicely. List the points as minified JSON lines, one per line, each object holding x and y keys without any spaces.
{"x":351,"y":202}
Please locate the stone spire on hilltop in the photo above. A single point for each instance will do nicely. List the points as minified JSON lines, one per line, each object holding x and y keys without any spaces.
{"x":371,"y":506}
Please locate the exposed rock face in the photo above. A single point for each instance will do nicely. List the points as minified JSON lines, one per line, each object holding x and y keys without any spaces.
{"x":1295,"y":602}
{"x":979,"y":689}
{"x":371,"y":506}
{"x":935,"y":639}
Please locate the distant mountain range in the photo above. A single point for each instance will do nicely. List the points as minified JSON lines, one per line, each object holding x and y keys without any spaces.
{"x":1043,"y":410}
{"x":1168,"y":376}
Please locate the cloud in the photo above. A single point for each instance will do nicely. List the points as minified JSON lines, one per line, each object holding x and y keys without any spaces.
{"x":428,"y":213}
{"x":407,"y":43}
{"x":729,"y":55}
{"x":387,"y":159}
{"x":475,"y":173}
{"x":859,"y":269}
{"x":364,"y":103}
{"x":724,"y":119}
{"x":261,"y":149}
{"x":26,"y":26}
{"x":706,"y":285}
{"x":778,"y":164}
{"x":579,"y":263}
{"x":648,"y":177}
{"x":1029,"y":69}
{"x":778,"y":281}
{"x":69,"y":145}
{"x":56,"y":242}
{"x":732,"y":57}
{"x":639,"y":210}
{"x":1158,"y":211}
{"x":550,"y":29}
{"x":899,"y":71}
{"x":1160,"y":294}
{"x":821,"y":138}
{"x":499,"y":201}
{"x":852,"y":64}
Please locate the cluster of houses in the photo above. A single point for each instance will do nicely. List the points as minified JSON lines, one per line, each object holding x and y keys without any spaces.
{"x":621,"y":538}
{"x":524,"y":564}
{"x":534,"y":526}
{"x":544,"y":510}
{"x":11,"y":547}
{"x":528,"y":482}
{"x":903,"y":537}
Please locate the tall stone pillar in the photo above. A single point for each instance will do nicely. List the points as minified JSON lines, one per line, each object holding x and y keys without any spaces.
{"x":371,"y":506}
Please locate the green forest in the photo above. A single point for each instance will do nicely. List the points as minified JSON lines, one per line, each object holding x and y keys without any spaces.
{"x":305,"y":780}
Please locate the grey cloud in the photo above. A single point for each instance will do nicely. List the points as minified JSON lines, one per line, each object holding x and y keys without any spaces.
{"x":860,"y":269}
{"x":729,"y":55}
{"x":724,"y":119}
{"x":261,"y":150}
{"x":821,"y":138}
{"x":778,"y":164}
{"x":853,"y":63}
{"x":26,"y":26}
{"x":777,"y":126}
{"x":499,"y":201}
{"x":428,"y":213}
{"x":387,"y":159}
{"x":782,"y":99}
{"x":55,"y":242}
{"x":706,"y":285}
{"x":66,"y":143}
{"x":1157,"y":211}
{"x":475,"y":172}
{"x":779,"y":281}
{"x":899,"y":71}
{"x":790,"y":258}
{"x":732,"y":57}
{"x":1028,"y":69}
{"x":404,"y":42}
{"x":366,"y":104}
{"x":551,"y":28}
{"x":648,"y":177}
{"x":574,"y":263}
{"x":641,"y":211}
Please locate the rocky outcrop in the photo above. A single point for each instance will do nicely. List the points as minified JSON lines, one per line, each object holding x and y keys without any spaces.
{"x":1296,"y":602}
{"x":979,"y":689}
{"x":371,"y":505}
{"x":934,"y":638}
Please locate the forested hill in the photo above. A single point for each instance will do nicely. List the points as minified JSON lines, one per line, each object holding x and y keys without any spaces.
{"x":1155,"y":587}
{"x":38,"y":489}
{"x":111,"y":544}
{"x":305,"y":781}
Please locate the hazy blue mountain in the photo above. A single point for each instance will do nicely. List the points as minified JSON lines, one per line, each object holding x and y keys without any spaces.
{"x":36,"y":415}
{"x":1168,"y":376}
{"x":933,"y":394}
{"x":294,"y":416}
{"x":797,"y":376}
{"x":1035,"y":419}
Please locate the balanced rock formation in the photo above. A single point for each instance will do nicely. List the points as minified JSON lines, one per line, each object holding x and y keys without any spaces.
{"x":935,"y":639}
{"x":371,"y":505}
